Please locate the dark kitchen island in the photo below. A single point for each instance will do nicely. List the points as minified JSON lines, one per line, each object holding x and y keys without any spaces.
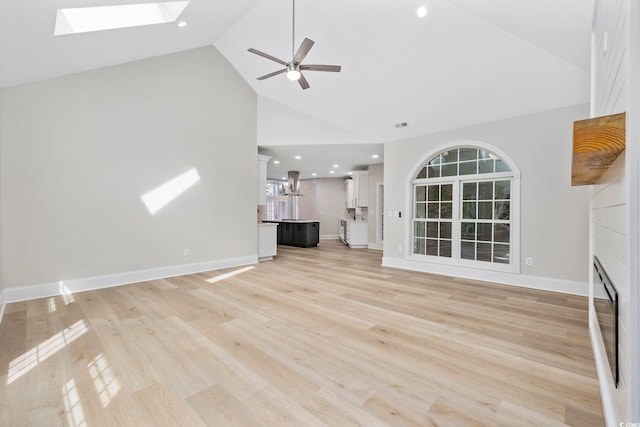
{"x":304,"y":233}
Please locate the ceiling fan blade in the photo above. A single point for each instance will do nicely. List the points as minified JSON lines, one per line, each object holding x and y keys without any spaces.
{"x":303,"y":82}
{"x":275,"y":73}
{"x":332,"y":68}
{"x":303,"y":50}
{"x":266,"y":55}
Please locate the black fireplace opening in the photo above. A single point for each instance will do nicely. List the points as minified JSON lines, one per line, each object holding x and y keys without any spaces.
{"x":606,"y":305}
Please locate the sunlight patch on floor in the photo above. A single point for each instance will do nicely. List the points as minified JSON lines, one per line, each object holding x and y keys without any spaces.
{"x":230,"y":274}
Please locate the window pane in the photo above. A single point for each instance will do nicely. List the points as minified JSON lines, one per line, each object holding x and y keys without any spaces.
{"x":469,"y":191}
{"x":484,"y":231}
{"x":421,"y":193}
{"x":418,"y":228}
{"x":434,"y":171}
{"x":468,"y":250}
{"x":485,"y":190}
{"x":501,"y":254}
{"x":503,"y":190}
{"x":422,"y":174}
{"x":445,"y":248}
{"x":468,"y":231}
{"x":434,"y":193}
{"x":483,"y":154}
{"x":421,"y":210}
{"x":468,"y":168}
{"x":447,"y":192}
{"x":446,"y":210}
{"x":468,"y":154}
{"x":484,"y":252}
{"x":501,"y":166}
{"x":502,"y":210}
{"x":450,"y":170}
{"x":432,"y":229}
{"x":469,"y":210}
{"x":485,"y":166}
{"x":501,"y":233}
{"x":434,"y":210}
{"x":485,"y":210}
{"x":436,"y":160}
{"x":432,"y":247}
{"x":445,"y":230}
{"x":419,"y":246}
{"x":450,"y":156}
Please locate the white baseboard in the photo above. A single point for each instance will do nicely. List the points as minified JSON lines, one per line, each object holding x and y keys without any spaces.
{"x":605,"y":381}
{"x":43,"y":290}
{"x":329,"y":237}
{"x":376,"y":246}
{"x":533,"y":282}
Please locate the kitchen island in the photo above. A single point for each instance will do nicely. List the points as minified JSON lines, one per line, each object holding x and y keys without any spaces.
{"x":304,"y":233}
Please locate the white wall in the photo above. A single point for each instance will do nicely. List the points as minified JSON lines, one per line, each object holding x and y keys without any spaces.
{"x":554,"y":215}
{"x":79,"y":151}
{"x":614,"y":202}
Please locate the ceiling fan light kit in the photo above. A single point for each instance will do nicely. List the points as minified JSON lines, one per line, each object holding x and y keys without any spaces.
{"x":294,"y":68}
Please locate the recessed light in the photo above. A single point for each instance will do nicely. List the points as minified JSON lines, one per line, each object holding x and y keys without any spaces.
{"x":276,"y":162}
{"x":284,"y":178}
{"x":421,"y":12}
{"x":335,"y":166}
{"x":332,"y":171}
{"x":298,"y":157}
{"x":375,"y":156}
{"x":314,"y":174}
{"x":182,"y":24}
{"x":350,"y":173}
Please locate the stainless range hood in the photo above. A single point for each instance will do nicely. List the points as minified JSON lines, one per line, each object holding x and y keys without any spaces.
{"x":292,"y":187}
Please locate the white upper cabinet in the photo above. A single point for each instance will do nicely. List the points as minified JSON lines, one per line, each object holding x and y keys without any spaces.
{"x":262,"y":179}
{"x":360,"y":189}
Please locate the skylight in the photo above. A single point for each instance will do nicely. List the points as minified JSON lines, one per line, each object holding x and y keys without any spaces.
{"x":86,"y":19}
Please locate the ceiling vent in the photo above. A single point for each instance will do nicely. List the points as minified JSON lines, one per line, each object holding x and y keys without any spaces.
{"x":401,"y":125}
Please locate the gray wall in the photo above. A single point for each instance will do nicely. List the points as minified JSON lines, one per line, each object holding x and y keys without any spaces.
{"x":554,"y":215}
{"x":79,"y":151}
{"x":324,"y":200}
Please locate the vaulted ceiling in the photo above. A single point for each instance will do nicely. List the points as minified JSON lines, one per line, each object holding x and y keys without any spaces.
{"x":466,"y":62}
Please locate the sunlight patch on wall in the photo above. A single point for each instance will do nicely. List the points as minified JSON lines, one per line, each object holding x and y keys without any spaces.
{"x":67,"y":295}
{"x":230,"y":274}
{"x":29,"y":360}
{"x":163,"y":195}
{"x":88,"y":19}
{"x":104,"y":380}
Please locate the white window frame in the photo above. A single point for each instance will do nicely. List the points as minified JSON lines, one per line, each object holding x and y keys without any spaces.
{"x":458,"y":180}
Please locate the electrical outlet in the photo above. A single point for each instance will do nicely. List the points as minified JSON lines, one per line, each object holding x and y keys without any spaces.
{"x":186,"y":251}
{"x":528,"y":261}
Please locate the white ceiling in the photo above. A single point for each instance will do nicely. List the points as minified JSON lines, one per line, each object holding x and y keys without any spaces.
{"x":467,"y":62}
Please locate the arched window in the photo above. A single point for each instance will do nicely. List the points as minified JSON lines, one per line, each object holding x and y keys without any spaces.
{"x":466,"y":209}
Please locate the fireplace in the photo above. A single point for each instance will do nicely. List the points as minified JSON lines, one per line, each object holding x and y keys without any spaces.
{"x":606,"y":305}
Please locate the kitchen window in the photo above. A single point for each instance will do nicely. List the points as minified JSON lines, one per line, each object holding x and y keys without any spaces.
{"x":463,"y":201}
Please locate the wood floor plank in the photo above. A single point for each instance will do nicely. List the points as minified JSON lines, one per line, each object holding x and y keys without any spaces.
{"x":319,"y":336}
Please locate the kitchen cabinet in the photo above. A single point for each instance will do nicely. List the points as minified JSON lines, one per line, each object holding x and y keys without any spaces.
{"x":357,"y":190}
{"x":267,"y":241}
{"x":262,"y":179}
{"x":301,"y":233}
{"x":348,"y":191}
{"x":354,"y":234}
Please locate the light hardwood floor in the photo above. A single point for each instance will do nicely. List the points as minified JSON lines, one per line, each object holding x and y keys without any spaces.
{"x":320,"y":336}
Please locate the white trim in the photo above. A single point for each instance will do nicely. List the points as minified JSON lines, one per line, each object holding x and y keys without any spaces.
{"x":526,"y":281}
{"x":329,"y":237}
{"x":375,"y":246}
{"x":2,"y":305}
{"x":602,"y":369}
{"x":25,"y":293}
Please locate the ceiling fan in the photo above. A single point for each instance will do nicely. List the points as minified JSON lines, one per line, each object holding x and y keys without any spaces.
{"x":295,"y":67}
